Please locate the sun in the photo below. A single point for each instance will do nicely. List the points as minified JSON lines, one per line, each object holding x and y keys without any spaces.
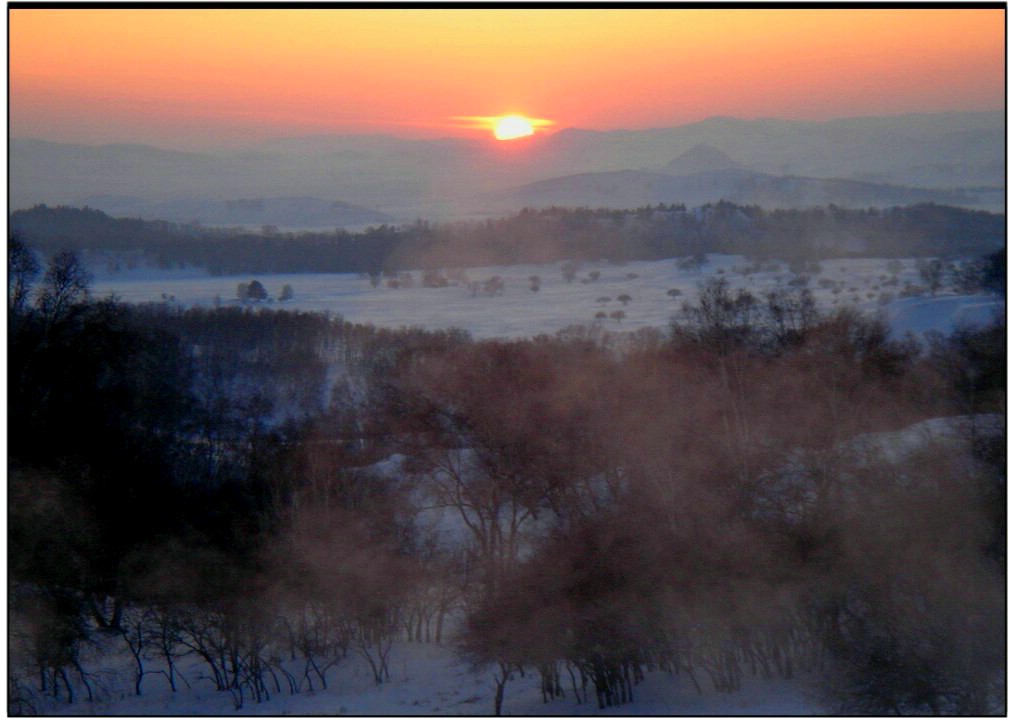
{"x":507,"y":128}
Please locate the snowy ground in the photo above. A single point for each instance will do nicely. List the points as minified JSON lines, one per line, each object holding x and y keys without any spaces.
{"x":427,"y":679}
{"x":519,"y":312}
{"x":430,"y":679}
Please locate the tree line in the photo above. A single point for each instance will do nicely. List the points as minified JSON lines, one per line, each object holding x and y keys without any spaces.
{"x":530,"y":236}
{"x":264,"y":492}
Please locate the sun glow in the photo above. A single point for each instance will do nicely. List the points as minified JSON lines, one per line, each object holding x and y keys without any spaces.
{"x":504,"y":128}
{"x":511,"y":127}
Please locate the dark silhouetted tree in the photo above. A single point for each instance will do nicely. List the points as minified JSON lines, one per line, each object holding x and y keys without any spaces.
{"x":22,"y":270}
{"x":64,"y":285}
{"x":256,"y":291}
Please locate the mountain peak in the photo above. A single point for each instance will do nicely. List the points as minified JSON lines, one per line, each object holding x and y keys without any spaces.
{"x":701,"y":157}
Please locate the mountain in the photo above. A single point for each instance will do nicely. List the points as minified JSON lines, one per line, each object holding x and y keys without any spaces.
{"x":945,"y":150}
{"x":701,"y":157}
{"x":628,"y":189}
{"x":429,"y":178}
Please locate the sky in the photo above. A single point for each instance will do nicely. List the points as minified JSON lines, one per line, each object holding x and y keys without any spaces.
{"x":186,"y":78}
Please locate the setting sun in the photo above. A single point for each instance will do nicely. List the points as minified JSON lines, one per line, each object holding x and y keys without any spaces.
{"x":511,"y":127}
{"x":504,"y":128}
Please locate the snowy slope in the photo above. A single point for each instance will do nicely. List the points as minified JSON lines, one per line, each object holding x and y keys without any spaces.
{"x":941,"y":314}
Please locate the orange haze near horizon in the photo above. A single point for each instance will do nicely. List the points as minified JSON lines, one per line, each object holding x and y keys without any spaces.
{"x":195,"y":77}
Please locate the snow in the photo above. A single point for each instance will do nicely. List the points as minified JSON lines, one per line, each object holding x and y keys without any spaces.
{"x":953,"y":434}
{"x":919,"y":315}
{"x":518,"y":312}
{"x":792,"y":488}
{"x":427,"y":679}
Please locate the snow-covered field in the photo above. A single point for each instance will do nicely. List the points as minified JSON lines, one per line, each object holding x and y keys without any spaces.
{"x":519,"y":312}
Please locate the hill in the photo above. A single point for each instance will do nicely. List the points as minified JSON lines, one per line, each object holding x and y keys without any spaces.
{"x":627,"y":189}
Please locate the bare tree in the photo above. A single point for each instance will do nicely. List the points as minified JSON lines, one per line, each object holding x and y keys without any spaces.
{"x":932,"y":274}
{"x":434,"y":278}
{"x":22,"y":269}
{"x":790,"y":314}
{"x":722,"y":320}
{"x":64,"y":285}
{"x":494,"y":286}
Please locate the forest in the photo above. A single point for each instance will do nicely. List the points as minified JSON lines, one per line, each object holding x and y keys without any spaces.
{"x":256,"y":489}
{"x":530,"y":236}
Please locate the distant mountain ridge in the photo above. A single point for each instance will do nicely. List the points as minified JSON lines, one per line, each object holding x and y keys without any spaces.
{"x":406,"y":178}
{"x":628,"y":189}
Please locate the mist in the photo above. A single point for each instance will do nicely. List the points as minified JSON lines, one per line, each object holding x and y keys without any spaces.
{"x":950,"y":158}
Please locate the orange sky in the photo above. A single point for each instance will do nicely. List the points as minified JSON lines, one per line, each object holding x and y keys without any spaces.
{"x":191,"y":78}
